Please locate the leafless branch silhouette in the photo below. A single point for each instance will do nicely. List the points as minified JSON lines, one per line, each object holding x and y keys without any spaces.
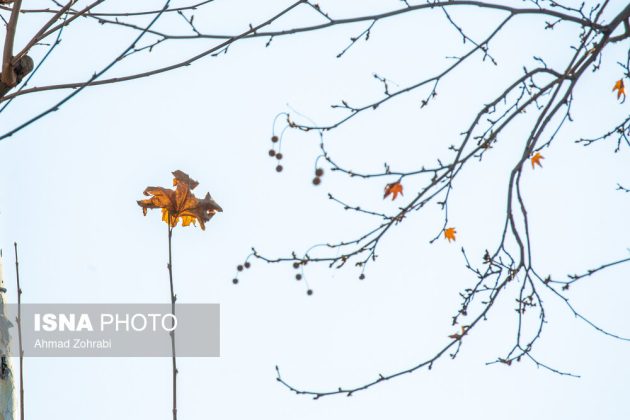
{"x":545,"y":92}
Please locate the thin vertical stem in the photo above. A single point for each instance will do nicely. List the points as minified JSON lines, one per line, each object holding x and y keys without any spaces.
{"x":19,"y":327}
{"x":172,"y":333}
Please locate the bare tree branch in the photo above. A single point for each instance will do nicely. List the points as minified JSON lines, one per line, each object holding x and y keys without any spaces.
{"x":546,"y":94}
{"x":8,"y":76}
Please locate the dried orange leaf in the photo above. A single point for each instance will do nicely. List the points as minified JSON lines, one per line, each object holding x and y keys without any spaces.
{"x":161,"y":198}
{"x":536,"y":160}
{"x":458,"y":336}
{"x":394,"y":189}
{"x":180,"y":203}
{"x":449,"y":233}
{"x":182,"y":177}
{"x":620,"y":88}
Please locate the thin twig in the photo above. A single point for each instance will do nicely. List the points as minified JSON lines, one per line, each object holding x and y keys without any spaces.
{"x":172,"y":333}
{"x":19,"y":327}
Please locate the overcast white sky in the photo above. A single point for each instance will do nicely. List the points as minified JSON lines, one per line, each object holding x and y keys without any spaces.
{"x":70,"y":184}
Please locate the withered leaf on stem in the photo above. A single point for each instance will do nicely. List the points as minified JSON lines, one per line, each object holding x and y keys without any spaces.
{"x":180,"y":203}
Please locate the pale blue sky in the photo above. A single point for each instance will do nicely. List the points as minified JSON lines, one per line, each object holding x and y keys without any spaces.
{"x":69,"y":185}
